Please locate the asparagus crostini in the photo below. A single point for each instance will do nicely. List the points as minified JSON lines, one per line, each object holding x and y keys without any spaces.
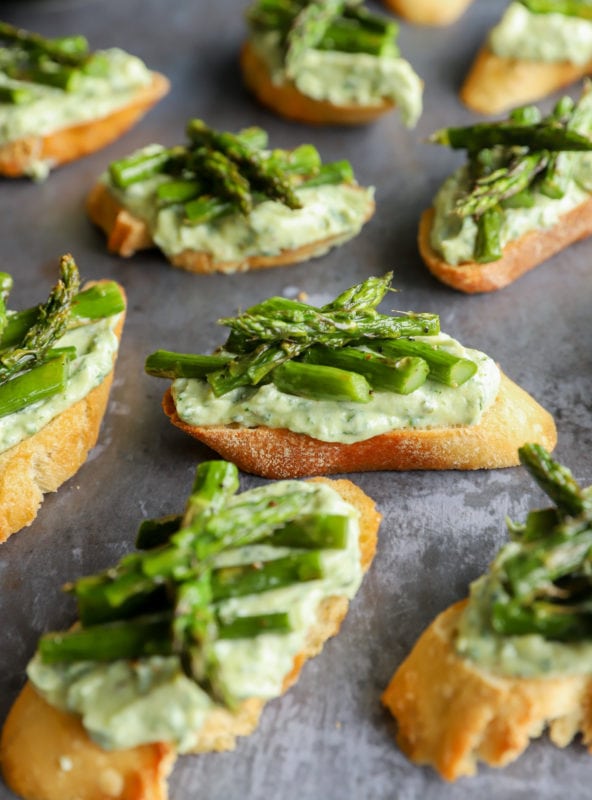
{"x":494,"y":671}
{"x":56,"y":368}
{"x":429,"y":12}
{"x":60,"y":101}
{"x":538,"y":47}
{"x":224,"y":202}
{"x":522,"y":197}
{"x":180,"y":644}
{"x":327,"y":62}
{"x":298,"y":390}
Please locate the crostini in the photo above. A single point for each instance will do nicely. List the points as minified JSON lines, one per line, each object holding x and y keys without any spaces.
{"x":56,"y":369}
{"x":225,"y":203}
{"x":494,"y":671}
{"x":538,"y":47}
{"x":429,"y":12}
{"x":327,"y":63}
{"x":298,"y":390}
{"x":524,"y":195}
{"x":180,"y":645}
{"x":59,"y":101}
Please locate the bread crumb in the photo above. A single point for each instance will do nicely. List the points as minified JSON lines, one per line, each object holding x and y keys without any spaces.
{"x":111,"y":783}
{"x":338,"y":725}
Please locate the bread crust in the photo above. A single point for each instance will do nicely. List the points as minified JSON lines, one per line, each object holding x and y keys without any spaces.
{"x":429,"y":12}
{"x":519,"y":256}
{"x":451,"y":714}
{"x":495,"y":84}
{"x":75,"y":141}
{"x":287,"y":101}
{"x":514,"y":419}
{"x":42,"y":462}
{"x":139,"y":773}
{"x":126,"y":234}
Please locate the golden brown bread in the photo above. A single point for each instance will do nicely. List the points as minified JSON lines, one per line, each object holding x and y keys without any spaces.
{"x":75,"y":141}
{"x":495,"y":84}
{"x":67,"y":765}
{"x":451,"y":714}
{"x":429,"y":12}
{"x":289,"y":102}
{"x":126,"y":234}
{"x":519,"y":256}
{"x":42,"y":462}
{"x":513,"y":419}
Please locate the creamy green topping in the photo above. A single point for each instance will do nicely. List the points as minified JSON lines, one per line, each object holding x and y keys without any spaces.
{"x":526,"y":656}
{"x":432,"y":405}
{"x":96,"y":345}
{"x":123,"y":704}
{"x":542,"y":37}
{"x":328,"y":212}
{"x":95,"y":97}
{"x":454,"y":237}
{"x":347,"y":78}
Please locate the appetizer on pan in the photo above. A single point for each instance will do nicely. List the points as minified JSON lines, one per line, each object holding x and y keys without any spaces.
{"x":538,"y":46}
{"x":226,"y":203}
{"x":56,"y":369}
{"x":297,"y":390}
{"x":60,"y":101}
{"x":181,"y":644}
{"x":327,"y":61}
{"x":523,"y":196}
{"x":494,"y":671}
{"x":429,"y":12}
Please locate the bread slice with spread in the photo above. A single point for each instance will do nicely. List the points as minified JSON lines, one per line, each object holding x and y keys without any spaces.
{"x":522,"y":197}
{"x":538,"y":47}
{"x":493,"y":672}
{"x":327,"y":63}
{"x":59,"y":101}
{"x":298,"y":390}
{"x":226,"y":203}
{"x":56,"y":369}
{"x":429,"y":12}
{"x":243,"y":590}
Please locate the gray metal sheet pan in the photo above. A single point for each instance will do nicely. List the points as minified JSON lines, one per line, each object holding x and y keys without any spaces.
{"x":328,"y":738}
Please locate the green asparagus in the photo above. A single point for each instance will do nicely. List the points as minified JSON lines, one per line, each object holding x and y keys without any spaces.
{"x":571,"y":8}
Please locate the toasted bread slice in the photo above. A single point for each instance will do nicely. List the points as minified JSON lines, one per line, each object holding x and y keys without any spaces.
{"x":495,"y":84}
{"x":451,"y":714}
{"x":74,"y":141}
{"x":42,"y":462}
{"x":289,"y":102}
{"x":126,"y":234}
{"x":513,"y":419}
{"x":520,"y":255}
{"x":429,"y":12}
{"x":68,"y":765}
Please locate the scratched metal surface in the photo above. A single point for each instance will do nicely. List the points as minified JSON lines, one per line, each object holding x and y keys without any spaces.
{"x":328,"y":737}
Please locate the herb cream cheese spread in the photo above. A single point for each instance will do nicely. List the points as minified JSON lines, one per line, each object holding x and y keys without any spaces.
{"x":335,"y":212}
{"x":343,"y":78}
{"x":525,"y":656}
{"x":432,"y":405}
{"x":96,"y":345}
{"x":124,"y":703}
{"x":527,"y":36}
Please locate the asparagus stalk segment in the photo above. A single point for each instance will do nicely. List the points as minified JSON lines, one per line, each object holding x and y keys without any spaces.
{"x":546,"y":135}
{"x":16,"y":96}
{"x":40,"y":383}
{"x":69,"y":50}
{"x":166,"y":364}
{"x":263,"y":577}
{"x":156,"y":532}
{"x":321,"y":382}
{"x":248,"y":627}
{"x":571,"y":8}
{"x":444,"y":367}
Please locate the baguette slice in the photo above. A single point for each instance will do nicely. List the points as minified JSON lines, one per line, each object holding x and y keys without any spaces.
{"x":513,"y":419}
{"x":495,"y":84}
{"x":42,"y":462}
{"x":429,"y":12}
{"x":451,"y":714}
{"x":289,"y":102}
{"x":520,"y":255}
{"x":68,"y":765}
{"x":74,"y":141}
{"x":126,"y":234}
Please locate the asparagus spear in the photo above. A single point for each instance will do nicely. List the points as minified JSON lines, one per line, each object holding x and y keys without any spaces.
{"x":307,"y":29}
{"x":557,"y":481}
{"x":571,"y":8}
{"x":16,"y":96}
{"x":321,"y":382}
{"x":546,"y":135}
{"x":444,"y":367}
{"x":165,"y":364}
{"x":224,"y":174}
{"x":265,"y":576}
{"x":488,"y":246}
{"x":43,"y":381}
{"x":51,"y":323}
{"x":248,"y":627}
{"x":69,"y":50}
